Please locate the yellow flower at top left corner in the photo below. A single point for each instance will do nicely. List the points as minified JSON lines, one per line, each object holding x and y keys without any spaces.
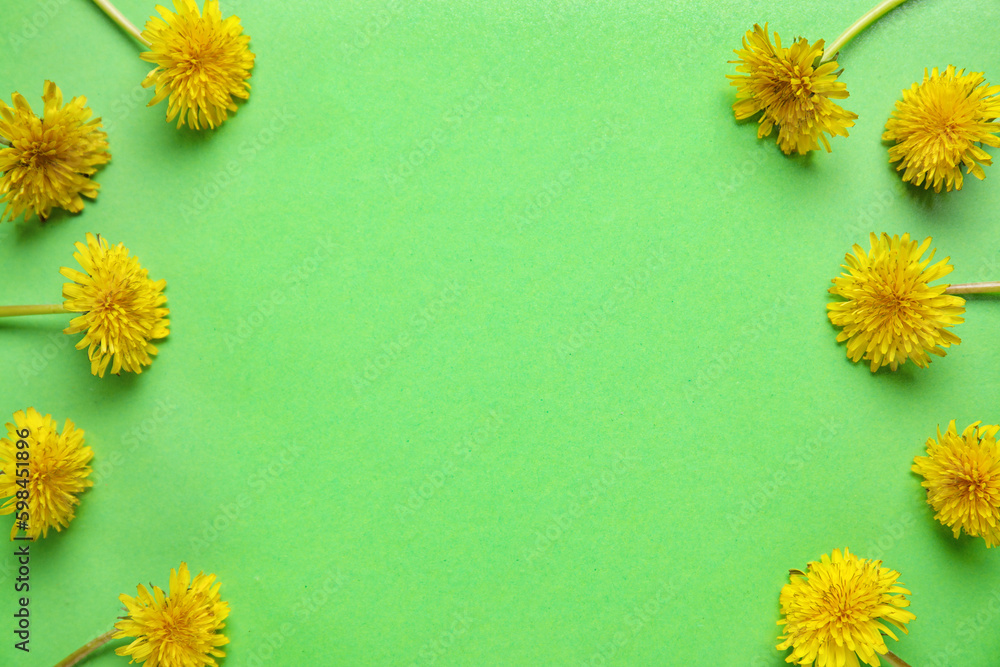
{"x":792,"y":88}
{"x":47,"y":162}
{"x":43,"y":473}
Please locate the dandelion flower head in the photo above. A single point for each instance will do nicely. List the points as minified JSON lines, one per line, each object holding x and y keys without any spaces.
{"x":792,"y":89}
{"x":47,"y":162}
{"x":175,"y":629}
{"x":962,"y":477}
{"x":836,"y":612}
{"x":202,"y":63}
{"x":940,"y":125}
{"x":890,"y":312}
{"x":121,"y":307}
{"x":57,"y":468}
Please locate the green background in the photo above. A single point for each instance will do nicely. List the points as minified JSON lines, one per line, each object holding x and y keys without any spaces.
{"x":496,"y":340}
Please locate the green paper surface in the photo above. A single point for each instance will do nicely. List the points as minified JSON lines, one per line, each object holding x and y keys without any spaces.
{"x":496,"y":340}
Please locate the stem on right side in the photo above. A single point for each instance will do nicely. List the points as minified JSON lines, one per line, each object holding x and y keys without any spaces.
{"x":874,"y":14}
{"x":974,"y":288}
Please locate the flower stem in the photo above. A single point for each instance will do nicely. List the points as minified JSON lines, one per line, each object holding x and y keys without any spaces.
{"x":85,"y":650}
{"x":120,"y":19}
{"x":889,"y":656}
{"x":12,"y":311}
{"x":874,"y":14}
{"x":974,"y":288}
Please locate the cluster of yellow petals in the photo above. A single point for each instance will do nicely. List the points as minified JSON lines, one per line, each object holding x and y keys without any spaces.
{"x":938,"y":125}
{"x":792,"y":89}
{"x":121,"y":306}
{"x":962,"y":477}
{"x":47,"y":162}
{"x":57,"y":470}
{"x":202,"y":63}
{"x":179,"y":629}
{"x":890,"y":312}
{"x":835,"y":613}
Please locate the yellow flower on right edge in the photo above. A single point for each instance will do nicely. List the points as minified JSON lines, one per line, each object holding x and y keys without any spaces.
{"x":837,"y":611}
{"x":47,"y":161}
{"x":962,"y":477}
{"x":891,"y":312}
{"x":937,"y":125}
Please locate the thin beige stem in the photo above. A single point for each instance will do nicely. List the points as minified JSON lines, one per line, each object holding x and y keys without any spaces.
{"x":974,"y":288}
{"x":895,"y":660}
{"x":85,"y":650}
{"x":13,"y":311}
{"x":120,"y":19}
{"x":874,"y":14}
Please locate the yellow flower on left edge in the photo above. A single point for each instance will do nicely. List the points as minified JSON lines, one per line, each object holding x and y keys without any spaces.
{"x":122,"y":307}
{"x":49,"y":160}
{"x":792,"y":89}
{"x":56,"y":466}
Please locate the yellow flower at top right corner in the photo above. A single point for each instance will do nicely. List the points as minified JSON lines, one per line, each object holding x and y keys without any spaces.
{"x":940,"y":125}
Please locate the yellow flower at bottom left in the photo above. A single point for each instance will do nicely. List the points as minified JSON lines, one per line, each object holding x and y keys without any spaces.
{"x":44,"y":470}
{"x":179,"y":628}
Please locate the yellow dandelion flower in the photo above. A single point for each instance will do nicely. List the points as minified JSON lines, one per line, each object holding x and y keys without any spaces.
{"x":793,"y":89}
{"x":202,"y":63}
{"x":836,"y":612}
{"x":176,"y":630}
{"x":891,"y":313}
{"x":47,"y":162}
{"x":962,"y":477}
{"x":937,"y":126}
{"x":121,"y":307}
{"x":43,"y":472}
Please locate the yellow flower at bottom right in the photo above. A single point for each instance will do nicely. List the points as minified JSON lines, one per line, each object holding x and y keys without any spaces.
{"x":837,"y":613}
{"x":962,"y":477}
